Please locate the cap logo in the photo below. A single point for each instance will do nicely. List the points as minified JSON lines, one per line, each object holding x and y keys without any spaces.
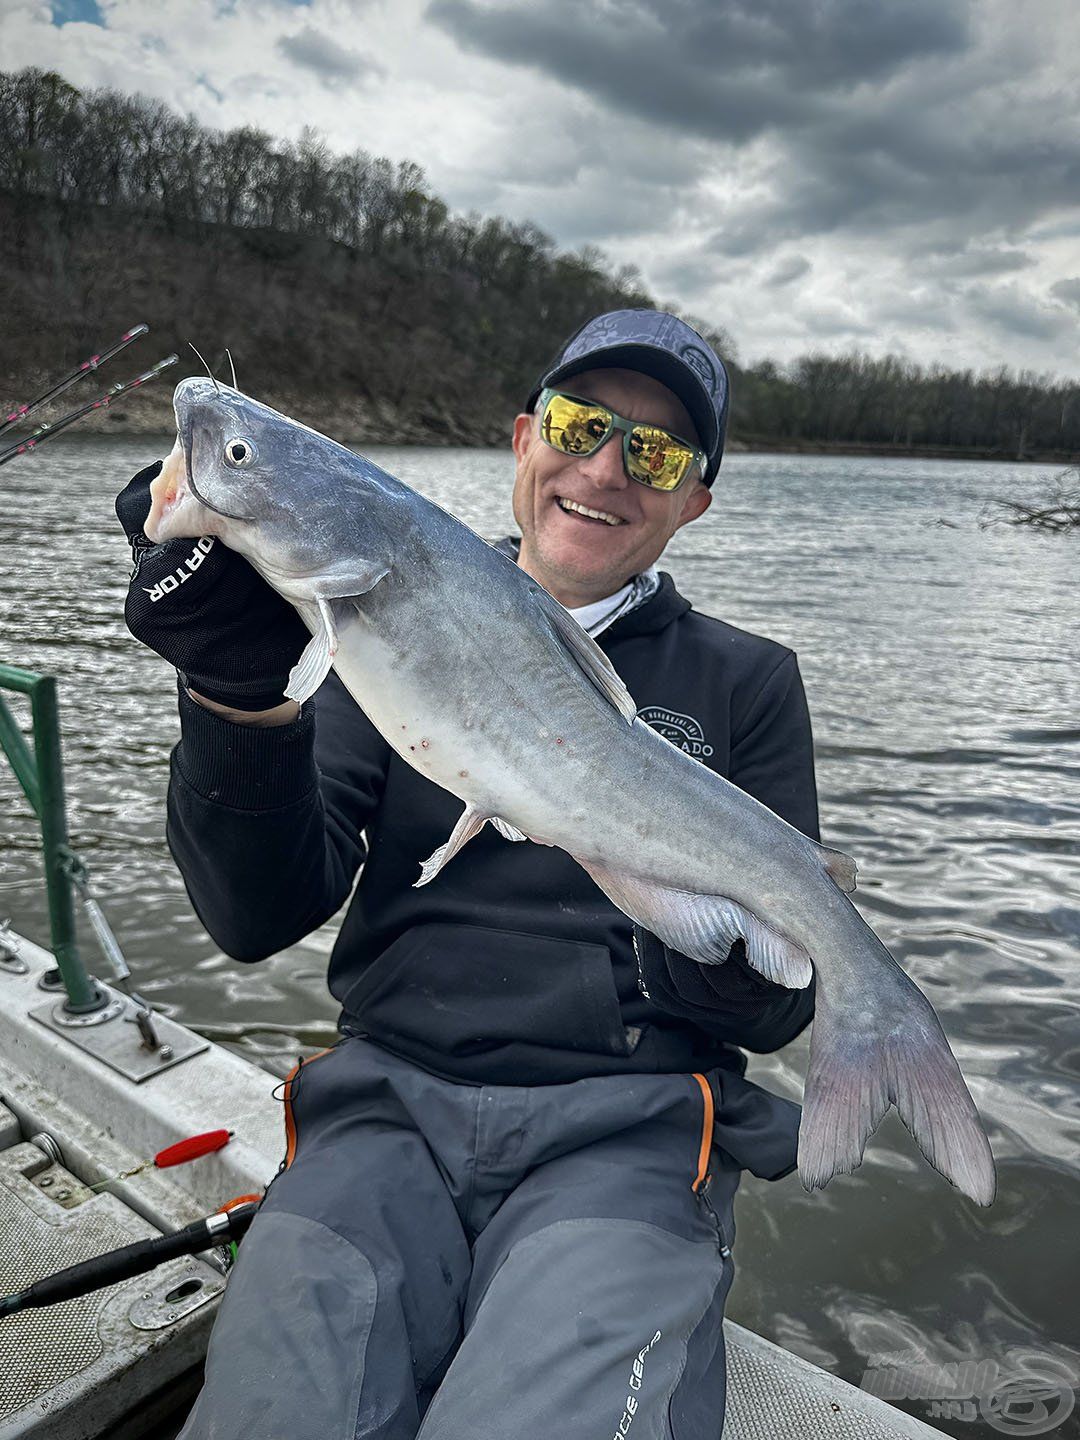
{"x":701,"y":365}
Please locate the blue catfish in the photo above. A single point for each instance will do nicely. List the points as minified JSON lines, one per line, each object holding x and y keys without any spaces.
{"x":484,"y":683}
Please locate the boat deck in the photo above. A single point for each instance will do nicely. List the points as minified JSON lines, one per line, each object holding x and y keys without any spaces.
{"x":130,"y":1354}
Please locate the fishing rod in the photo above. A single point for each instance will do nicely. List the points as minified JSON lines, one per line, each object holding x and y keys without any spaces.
{"x":50,"y":428}
{"x":86,"y":368}
{"x":131,"y":1260}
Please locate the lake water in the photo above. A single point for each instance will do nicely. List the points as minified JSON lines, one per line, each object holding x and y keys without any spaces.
{"x":941,"y":663}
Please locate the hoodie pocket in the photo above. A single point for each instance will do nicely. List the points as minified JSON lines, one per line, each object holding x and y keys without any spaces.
{"x":463,"y":991}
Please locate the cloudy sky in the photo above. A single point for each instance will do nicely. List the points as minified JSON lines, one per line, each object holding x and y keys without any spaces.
{"x":887,"y":175}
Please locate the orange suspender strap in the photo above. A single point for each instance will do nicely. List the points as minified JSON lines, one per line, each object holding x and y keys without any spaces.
{"x":706,"y":1134}
{"x":287,"y":1097}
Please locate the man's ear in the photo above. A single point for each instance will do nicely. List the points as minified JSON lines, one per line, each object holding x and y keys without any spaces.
{"x":697,"y":502}
{"x":523,"y":435}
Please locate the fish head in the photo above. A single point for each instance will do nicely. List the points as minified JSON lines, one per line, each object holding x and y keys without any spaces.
{"x":289,"y":499}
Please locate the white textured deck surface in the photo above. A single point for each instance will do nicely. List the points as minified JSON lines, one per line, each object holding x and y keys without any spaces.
{"x":774,"y":1395}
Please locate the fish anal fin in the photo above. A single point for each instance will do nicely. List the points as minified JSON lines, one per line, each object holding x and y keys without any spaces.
{"x":506,"y":830}
{"x":592,"y":661}
{"x":704,"y":927}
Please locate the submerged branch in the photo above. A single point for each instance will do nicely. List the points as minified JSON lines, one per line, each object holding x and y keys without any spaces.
{"x":1058,"y":510}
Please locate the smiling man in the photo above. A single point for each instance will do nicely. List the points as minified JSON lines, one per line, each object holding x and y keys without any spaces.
{"x":586,"y":526}
{"x":506,"y":1203}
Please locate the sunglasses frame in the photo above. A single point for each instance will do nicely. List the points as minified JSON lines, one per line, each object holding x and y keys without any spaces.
{"x":627,"y":427}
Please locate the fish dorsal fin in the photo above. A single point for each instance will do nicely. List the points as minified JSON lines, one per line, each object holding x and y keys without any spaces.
{"x":595,"y":665}
{"x":841,"y":868}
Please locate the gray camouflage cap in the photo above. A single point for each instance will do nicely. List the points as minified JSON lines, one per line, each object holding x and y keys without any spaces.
{"x":660,"y":345}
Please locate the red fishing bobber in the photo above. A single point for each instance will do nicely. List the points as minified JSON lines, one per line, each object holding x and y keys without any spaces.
{"x":192,"y":1148}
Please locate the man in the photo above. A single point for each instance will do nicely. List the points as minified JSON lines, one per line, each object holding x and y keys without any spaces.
{"x":506,"y":1206}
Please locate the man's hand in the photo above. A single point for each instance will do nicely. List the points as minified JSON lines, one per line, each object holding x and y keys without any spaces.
{"x":205,"y":610}
{"x":731,"y":1000}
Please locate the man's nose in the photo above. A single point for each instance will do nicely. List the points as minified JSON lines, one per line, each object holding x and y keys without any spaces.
{"x":604,"y":467}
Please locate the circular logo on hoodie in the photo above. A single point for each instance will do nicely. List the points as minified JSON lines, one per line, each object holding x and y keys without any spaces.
{"x":681,"y":730}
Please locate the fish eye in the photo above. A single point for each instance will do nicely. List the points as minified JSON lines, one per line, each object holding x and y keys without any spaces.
{"x":239,"y":453}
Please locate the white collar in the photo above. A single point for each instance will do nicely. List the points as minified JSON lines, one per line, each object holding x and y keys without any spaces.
{"x":601,"y":613}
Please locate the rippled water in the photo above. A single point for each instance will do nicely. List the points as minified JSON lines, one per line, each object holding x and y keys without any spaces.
{"x":941,"y":661}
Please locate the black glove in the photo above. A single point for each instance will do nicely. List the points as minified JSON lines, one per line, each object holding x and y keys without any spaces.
{"x":735,"y":983}
{"x":204,"y":609}
{"x":730,"y":1001}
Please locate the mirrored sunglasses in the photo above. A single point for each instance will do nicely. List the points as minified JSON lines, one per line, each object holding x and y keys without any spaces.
{"x":651,"y":456}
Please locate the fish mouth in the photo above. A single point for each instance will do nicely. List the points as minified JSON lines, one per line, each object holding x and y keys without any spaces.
{"x":177,"y":507}
{"x":588,"y":512}
{"x":168,"y":493}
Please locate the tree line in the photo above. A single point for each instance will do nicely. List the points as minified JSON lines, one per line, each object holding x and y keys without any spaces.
{"x":346,"y":273}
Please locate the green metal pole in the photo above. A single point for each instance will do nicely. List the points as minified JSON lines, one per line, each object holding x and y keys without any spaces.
{"x":18,"y":752}
{"x":83,"y":994}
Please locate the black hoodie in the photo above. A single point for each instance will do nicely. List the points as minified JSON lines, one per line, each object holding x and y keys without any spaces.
{"x":513,"y":968}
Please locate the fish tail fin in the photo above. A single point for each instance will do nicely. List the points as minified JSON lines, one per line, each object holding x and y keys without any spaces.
{"x":877,"y":1055}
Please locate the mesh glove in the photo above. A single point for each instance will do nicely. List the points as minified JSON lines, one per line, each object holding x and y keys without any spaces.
{"x":204,"y":609}
{"x":731,"y":1001}
{"x":735,"y":983}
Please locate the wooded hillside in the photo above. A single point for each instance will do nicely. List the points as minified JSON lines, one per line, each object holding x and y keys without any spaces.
{"x":343,"y":285}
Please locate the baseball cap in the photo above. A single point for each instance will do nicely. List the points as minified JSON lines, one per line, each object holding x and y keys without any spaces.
{"x":657,"y":344}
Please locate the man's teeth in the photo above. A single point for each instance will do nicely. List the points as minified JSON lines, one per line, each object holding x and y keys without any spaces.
{"x":592,"y":514}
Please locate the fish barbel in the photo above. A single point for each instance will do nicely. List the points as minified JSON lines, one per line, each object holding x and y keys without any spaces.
{"x":481,"y":681}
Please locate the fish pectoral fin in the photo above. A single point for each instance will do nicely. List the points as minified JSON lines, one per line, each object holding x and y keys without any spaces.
{"x":841,"y":868}
{"x":314,"y":664}
{"x":704,"y":927}
{"x":363,"y":576}
{"x":594,"y":664}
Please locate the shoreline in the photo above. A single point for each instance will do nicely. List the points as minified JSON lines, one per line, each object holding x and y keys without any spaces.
{"x":365,"y":422}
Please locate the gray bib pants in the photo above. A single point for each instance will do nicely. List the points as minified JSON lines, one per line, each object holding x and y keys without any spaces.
{"x":480,"y":1262}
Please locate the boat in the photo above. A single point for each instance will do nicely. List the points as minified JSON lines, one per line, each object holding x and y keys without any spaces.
{"x":92,"y":1082}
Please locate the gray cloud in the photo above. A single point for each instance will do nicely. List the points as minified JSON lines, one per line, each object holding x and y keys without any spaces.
{"x":974,"y":262}
{"x":788,"y":271}
{"x":1018,"y":312}
{"x":334,"y":65}
{"x":724,"y":71}
{"x":875,"y":117}
{"x":1068,"y":292}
